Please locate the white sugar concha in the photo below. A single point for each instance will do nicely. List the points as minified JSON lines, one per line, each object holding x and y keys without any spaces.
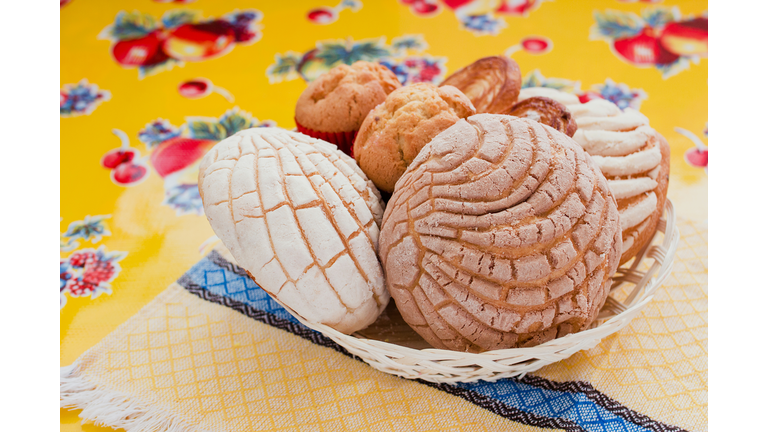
{"x":303,"y":219}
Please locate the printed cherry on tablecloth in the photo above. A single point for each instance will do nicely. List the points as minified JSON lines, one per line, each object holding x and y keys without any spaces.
{"x":127,"y":167}
{"x":202,"y":87}
{"x":424,"y":8}
{"x":535,"y":45}
{"x":176,"y":152}
{"x":404,"y":56}
{"x":660,"y":37}
{"x":138,"y":40}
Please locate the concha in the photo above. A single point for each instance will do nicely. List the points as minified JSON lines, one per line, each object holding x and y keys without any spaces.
{"x":632,"y":155}
{"x":502,"y":233}
{"x":302,"y":219}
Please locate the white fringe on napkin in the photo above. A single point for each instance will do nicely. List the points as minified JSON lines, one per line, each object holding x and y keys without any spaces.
{"x":109,"y":408}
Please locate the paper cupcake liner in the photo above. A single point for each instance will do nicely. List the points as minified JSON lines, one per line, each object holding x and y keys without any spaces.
{"x":343,"y":140}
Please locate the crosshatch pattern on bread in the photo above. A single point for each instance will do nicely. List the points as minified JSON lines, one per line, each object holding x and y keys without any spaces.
{"x":502,"y":233}
{"x":301,"y":218}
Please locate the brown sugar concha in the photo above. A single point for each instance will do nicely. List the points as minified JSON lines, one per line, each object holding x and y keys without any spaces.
{"x":632,"y":155}
{"x":502,"y":233}
{"x":289,"y":209}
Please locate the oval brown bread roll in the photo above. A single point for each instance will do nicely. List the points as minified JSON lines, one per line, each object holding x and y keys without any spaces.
{"x":491,"y":83}
{"x":546,"y":111}
{"x":501,"y":233}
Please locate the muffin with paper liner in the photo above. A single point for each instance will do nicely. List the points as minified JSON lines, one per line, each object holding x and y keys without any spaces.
{"x":334,"y":106}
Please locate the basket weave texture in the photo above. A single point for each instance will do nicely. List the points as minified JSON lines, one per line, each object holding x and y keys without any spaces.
{"x":390,"y":346}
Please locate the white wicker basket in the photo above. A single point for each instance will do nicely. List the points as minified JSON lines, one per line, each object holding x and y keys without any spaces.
{"x":390,"y":346}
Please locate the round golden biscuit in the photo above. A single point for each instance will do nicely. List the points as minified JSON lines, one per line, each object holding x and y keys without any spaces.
{"x":395,"y":131}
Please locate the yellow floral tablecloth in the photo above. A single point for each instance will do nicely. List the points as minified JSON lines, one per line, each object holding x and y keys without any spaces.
{"x":148,"y":86}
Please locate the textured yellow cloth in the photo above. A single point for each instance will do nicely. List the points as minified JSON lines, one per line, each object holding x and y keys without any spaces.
{"x":658,"y":363}
{"x":148,"y":86}
{"x":196,"y":363}
{"x":215,"y":368}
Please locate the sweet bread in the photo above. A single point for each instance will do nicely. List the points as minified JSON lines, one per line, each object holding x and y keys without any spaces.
{"x":632,"y":155}
{"x":491,"y":83}
{"x":290,"y":210}
{"x":394,"y":132}
{"x":545,"y":111}
{"x":501,"y":233}
{"x":333,"y":106}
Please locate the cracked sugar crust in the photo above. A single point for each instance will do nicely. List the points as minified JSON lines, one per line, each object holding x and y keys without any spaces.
{"x":502,"y":233}
{"x":290,"y":210}
{"x":395,"y":131}
{"x":339,"y":100}
{"x":634,"y":158}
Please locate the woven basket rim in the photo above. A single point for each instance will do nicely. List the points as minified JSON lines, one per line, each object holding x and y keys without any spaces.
{"x":377,"y":351}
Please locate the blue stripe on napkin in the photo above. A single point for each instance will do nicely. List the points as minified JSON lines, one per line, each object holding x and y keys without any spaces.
{"x":535,"y":401}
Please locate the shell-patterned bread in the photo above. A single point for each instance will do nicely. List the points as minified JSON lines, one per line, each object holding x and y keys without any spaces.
{"x":300,"y":217}
{"x":632,"y":155}
{"x":502,"y":233}
{"x":491,"y":83}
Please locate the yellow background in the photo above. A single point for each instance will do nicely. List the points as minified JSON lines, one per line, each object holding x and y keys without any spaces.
{"x":161,"y":245}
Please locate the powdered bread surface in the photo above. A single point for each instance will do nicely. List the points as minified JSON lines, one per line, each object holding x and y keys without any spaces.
{"x":501,"y":233}
{"x":630,"y":153}
{"x":301,"y":220}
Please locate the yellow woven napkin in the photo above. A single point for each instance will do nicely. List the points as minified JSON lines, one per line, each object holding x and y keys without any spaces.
{"x":214,"y":353}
